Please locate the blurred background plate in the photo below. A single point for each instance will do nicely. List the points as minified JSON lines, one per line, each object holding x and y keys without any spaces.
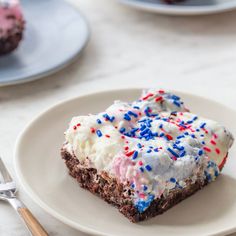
{"x":188,"y":7}
{"x":55,"y":35}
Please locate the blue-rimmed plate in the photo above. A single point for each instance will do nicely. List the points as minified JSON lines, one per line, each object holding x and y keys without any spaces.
{"x":188,"y":7}
{"x":55,"y":35}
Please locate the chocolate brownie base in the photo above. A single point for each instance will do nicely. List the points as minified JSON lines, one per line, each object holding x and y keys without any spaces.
{"x":11,"y":41}
{"x":119,"y":195}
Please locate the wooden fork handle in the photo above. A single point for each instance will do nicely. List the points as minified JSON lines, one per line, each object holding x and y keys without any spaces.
{"x":35,"y":228}
{"x":33,"y":225}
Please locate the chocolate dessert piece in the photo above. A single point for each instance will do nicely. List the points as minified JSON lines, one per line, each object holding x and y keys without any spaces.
{"x":11,"y":25}
{"x":146,"y":156}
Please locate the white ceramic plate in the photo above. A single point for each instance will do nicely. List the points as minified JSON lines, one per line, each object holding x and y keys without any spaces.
{"x":55,"y":35}
{"x":44,"y":177}
{"x":190,"y":7}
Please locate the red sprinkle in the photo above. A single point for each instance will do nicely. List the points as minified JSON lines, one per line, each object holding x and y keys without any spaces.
{"x":116,"y":127}
{"x":169,"y":137}
{"x":205,"y":131}
{"x":148,"y":96}
{"x":213,"y":142}
{"x":74,"y":127}
{"x":222,"y":163}
{"x":174,"y":158}
{"x":161,"y":91}
{"x":123,"y":137}
{"x":126,"y":148}
{"x":140,"y":113}
{"x":140,"y":163}
{"x":108,"y":136}
{"x":158,"y":99}
{"x":207,"y":149}
{"x":92,"y":130}
{"x":142,"y":195}
{"x":128,"y":154}
{"x":78,"y":125}
{"x":217,"y":150}
{"x":215,"y":136}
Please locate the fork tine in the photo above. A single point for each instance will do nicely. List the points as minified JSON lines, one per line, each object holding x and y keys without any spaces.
{"x":4,"y":172}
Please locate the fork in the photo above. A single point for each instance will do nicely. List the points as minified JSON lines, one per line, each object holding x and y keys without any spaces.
{"x":8,"y":193}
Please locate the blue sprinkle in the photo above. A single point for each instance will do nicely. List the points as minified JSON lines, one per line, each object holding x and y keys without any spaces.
{"x":112,"y":118}
{"x":202,"y":125}
{"x":200,"y":152}
{"x":202,"y":135}
{"x":175,"y":97}
{"x":182,"y":154}
{"x":180,"y":148}
{"x":135,"y":155}
{"x":186,"y":133}
{"x":156,"y":150}
{"x":161,"y":134}
{"x":177,"y":142}
{"x":122,"y":130}
{"x":172,"y":152}
{"x":141,"y":169}
{"x":181,"y":136}
{"x":189,"y":122}
{"x":149,"y":151}
{"x":146,"y":111}
{"x":161,"y":126}
{"x":155,"y":134}
{"x":195,"y":118}
{"x":145,"y":188}
{"x":132,"y":185}
{"x":144,"y":120}
{"x":203,"y":143}
{"x":143,"y":127}
{"x":139,"y":145}
{"x":173,"y":180}
{"x":197,"y":130}
{"x":216,"y":173}
{"x":127,"y":117}
{"x":136,"y":107}
{"x":142,"y":204}
{"x":148,"y":168}
{"x":134,"y":130}
{"x":106,"y":116}
{"x":132,"y":114}
{"x":177,"y":103}
{"x":144,"y":131}
{"x":99,"y":133}
{"x":99,"y":121}
{"x":208,"y":176}
{"x":193,"y":136}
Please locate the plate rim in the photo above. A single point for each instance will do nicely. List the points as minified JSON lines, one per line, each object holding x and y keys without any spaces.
{"x":44,"y":206}
{"x":63,"y":64}
{"x":178,"y":10}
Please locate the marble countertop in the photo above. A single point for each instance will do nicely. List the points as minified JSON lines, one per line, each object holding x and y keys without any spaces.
{"x":127,"y":47}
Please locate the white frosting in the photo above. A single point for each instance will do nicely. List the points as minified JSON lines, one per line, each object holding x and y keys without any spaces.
{"x":195,"y":142}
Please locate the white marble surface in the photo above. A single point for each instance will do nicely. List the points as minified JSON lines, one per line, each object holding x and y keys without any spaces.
{"x":128,"y":47}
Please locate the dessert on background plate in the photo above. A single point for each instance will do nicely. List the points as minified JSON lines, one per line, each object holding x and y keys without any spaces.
{"x":146,"y":156}
{"x":11,"y":25}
